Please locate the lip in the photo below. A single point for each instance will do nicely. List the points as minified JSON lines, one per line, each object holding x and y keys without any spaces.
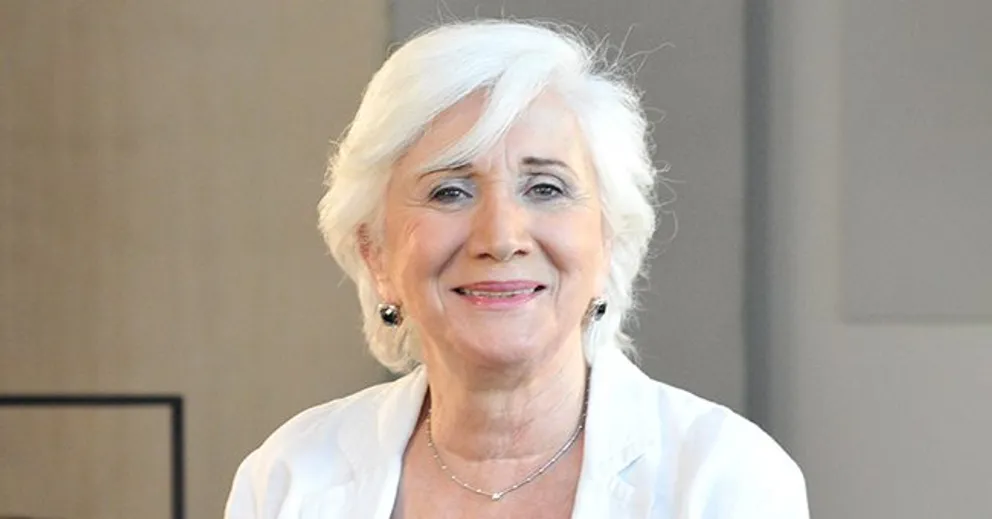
{"x":528,"y":290}
{"x":502,"y":286}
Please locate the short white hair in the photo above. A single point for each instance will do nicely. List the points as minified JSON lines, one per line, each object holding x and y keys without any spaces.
{"x":513,"y":62}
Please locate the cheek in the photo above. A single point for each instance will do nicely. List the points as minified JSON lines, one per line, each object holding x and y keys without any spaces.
{"x":575,"y":244}
{"x":422,"y":244}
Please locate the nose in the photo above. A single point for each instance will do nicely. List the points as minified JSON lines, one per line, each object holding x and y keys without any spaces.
{"x":500,"y":226}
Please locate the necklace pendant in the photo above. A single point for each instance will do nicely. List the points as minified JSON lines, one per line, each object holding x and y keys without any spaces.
{"x":497,"y":496}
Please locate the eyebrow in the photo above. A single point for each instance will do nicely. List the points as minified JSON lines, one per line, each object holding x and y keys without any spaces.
{"x":526,"y":161}
{"x":539,"y":161}
{"x":454,"y":168}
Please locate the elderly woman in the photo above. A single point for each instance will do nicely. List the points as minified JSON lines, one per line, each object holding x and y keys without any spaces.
{"x":492,"y":201}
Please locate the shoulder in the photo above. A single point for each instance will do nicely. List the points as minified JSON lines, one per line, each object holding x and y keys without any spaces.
{"x":317,"y":426}
{"x":704,"y":456}
{"x":302,"y":453}
{"x":727,"y":465}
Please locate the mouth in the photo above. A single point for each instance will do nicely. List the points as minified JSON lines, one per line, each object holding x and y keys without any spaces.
{"x":500,"y":293}
{"x":504,"y":294}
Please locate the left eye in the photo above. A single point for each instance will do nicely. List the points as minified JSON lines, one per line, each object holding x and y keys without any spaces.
{"x":449,"y":194}
{"x":545,"y":191}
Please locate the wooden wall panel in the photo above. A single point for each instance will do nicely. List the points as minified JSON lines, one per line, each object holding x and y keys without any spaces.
{"x":85,"y":463}
{"x":160,"y":163}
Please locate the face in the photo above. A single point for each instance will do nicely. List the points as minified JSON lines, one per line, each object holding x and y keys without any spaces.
{"x":495,"y":260}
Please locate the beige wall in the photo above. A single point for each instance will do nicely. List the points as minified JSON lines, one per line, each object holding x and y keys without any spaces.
{"x":160,"y":163}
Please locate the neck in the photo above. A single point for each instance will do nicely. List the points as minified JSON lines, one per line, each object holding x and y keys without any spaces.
{"x":514,"y":413}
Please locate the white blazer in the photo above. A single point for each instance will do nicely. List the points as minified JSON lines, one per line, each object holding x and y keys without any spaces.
{"x":651,"y":451}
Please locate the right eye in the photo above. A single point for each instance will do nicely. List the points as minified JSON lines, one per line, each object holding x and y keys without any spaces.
{"x":449,"y":194}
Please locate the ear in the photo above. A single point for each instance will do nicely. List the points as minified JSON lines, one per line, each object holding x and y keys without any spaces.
{"x":374,"y":262}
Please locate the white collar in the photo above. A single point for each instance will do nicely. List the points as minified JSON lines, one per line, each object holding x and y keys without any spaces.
{"x":620,"y":428}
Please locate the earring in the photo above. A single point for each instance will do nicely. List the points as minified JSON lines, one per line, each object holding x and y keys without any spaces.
{"x":390,"y":314}
{"x":597,"y":309}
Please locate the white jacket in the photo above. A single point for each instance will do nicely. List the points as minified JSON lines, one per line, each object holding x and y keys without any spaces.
{"x":651,"y":451}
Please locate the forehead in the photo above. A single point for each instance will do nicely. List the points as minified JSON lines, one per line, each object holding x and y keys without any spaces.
{"x":547,"y":128}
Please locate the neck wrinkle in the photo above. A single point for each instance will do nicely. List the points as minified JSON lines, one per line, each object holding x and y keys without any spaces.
{"x":529,"y":420}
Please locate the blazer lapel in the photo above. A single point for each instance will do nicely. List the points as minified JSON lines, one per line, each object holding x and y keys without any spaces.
{"x":373,"y":441}
{"x":618,"y":470}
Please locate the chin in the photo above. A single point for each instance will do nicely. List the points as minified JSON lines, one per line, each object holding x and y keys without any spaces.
{"x":507,"y":351}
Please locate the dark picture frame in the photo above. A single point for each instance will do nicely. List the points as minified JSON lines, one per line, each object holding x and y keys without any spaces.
{"x":176,"y":424}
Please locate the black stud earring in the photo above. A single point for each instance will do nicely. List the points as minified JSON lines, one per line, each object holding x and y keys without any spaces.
{"x":597,"y":309}
{"x":390,"y":314}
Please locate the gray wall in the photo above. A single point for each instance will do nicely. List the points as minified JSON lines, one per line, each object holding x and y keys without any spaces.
{"x":690,"y":59}
{"x":866,"y":341}
{"x":881,"y":385}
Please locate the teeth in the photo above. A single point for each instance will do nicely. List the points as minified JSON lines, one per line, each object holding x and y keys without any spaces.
{"x":484,"y":293}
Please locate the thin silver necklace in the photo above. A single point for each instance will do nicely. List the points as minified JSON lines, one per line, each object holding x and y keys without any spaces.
{"x":534,"y":474}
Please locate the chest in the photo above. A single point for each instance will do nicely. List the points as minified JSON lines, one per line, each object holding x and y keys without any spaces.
{"x":425,"y":491}
{"x":534,"y":504}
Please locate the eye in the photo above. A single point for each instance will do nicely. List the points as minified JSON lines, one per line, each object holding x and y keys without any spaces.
{"x":545,"y":191}
{"x":449,"y":194}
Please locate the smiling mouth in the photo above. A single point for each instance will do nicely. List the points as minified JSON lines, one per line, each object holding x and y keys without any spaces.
{"x":501,"y":294}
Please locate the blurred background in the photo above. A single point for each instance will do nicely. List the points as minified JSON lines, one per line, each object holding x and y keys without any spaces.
{"x":160,"y":163}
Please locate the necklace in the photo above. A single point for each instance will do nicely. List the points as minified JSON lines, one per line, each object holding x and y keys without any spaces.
{"x":534,"y":474}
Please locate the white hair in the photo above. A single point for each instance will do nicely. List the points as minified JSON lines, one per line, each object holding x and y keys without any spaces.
{"x":513,"y":62}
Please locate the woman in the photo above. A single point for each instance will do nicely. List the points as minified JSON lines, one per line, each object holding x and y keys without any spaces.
{"x":492,"y":203}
